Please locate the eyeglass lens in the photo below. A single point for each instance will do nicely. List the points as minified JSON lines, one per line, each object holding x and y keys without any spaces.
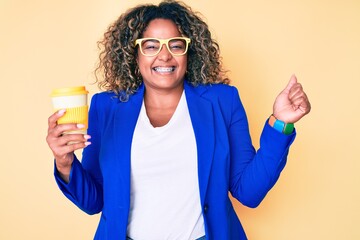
{"x":153,"y":46}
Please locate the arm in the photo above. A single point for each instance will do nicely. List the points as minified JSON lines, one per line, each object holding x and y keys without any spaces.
{"x":84,"y":183}
{"x":253,"y":173}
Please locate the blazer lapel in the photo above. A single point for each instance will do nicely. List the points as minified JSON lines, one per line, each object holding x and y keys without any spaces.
{"x":201,"y":113}
{"x":126,"y":115}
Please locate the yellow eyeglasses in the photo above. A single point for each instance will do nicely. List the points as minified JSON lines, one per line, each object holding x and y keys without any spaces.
{"x":150,"y":47}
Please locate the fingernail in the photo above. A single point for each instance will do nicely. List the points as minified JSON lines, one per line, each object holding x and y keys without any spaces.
{"x":87,"y":143}
{"x":61,"y":111}
{"x":79,"y":125}
{"x":87,"y":137}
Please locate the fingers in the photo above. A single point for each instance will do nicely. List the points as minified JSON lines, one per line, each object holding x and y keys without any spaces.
{"x":62,"y":139}
{"x":292,"y":103}
{"x":68,"y":143}
{"x":68,"y":140}
{"x":62,"y":143}
{"x":295,"y":91}
{"x":299,"y":99}
{"x":58,"y":129}
{"x":63,"y":147}
{"x":52,"y":121}
{"x":292,"y":82}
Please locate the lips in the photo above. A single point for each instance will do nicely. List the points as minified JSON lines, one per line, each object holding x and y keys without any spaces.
{"x":164,"y":69}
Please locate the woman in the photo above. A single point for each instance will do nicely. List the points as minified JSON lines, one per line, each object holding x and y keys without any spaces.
{"x":169,"y":137}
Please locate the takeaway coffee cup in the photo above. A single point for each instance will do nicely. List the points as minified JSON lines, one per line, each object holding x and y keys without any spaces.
{"x":74,"y":100}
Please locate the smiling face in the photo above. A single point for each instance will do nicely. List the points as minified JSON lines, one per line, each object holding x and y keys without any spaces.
{"x":163,"y":71}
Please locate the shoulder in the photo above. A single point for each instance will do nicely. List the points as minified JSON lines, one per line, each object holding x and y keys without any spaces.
{"x":218,"y":91}
{"x":102,"y":102}
{"x":104,"y":98}
{"x":223,"y":95}
{"x":225,"y":99}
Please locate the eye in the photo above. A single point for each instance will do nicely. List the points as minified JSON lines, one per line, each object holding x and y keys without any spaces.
{"x":150,"y":45}
{"x":177,"y":44}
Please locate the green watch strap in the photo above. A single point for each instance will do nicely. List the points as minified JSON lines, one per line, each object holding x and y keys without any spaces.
{"x":286,"y":128}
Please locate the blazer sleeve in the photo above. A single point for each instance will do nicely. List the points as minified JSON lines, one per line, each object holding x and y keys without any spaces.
{"x":253,"y":173}
{"x":85,"y":186}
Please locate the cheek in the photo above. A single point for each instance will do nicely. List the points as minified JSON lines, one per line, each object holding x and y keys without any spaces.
{"x":183,"y":63}
{"x":142,"y":63}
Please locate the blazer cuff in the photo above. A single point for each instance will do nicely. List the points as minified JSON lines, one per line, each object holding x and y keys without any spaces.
{"x":279,"y":143}
{"x":64,"y":186}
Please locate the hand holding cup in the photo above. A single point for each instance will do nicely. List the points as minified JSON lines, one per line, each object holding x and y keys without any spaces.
{"x":67,"y":126}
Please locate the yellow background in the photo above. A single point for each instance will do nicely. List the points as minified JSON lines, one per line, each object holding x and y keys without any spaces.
{"x":50,"y":44}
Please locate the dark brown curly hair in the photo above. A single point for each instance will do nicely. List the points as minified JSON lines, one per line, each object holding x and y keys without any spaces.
{"x":118,"y":65}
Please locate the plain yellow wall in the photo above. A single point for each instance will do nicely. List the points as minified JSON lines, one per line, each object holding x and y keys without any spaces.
{"x":49,"y":44}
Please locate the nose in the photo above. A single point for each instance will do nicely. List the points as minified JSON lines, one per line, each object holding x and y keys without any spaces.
{"x":164,"y":53}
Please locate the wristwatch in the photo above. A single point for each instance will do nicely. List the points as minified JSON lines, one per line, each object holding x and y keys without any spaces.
{"x":286,"y":128}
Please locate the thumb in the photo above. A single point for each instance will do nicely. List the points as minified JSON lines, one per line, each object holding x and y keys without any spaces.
{"x":292,"y":82}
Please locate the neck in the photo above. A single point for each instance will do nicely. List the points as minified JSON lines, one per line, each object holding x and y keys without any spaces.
{"x":161,"y":105}
{"x":162,"y":99}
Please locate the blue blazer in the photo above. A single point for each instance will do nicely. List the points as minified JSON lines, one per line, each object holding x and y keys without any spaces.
{"x":227,"y":161}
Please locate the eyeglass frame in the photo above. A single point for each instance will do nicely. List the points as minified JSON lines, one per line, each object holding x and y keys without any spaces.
{"x":162,"y":42}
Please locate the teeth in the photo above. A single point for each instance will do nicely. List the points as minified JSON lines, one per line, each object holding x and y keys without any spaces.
{"x":164,"y":69}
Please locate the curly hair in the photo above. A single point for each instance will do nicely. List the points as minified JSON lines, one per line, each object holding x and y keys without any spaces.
{"x":118,"y":64}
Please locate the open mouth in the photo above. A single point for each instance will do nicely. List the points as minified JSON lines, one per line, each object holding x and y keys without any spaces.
{"x":164,"y":69}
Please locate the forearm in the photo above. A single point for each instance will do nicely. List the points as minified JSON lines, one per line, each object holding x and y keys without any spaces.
{"x":81,"y":188}
{"x":260,"y":170}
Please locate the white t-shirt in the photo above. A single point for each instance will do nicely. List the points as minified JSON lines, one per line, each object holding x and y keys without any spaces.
{"x":165,"y":196}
